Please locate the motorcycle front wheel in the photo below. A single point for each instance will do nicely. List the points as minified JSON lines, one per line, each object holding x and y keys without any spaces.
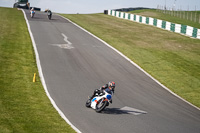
{"x":88,"y":103}
{"x":49,"y":17}
{"x":101,"y":105}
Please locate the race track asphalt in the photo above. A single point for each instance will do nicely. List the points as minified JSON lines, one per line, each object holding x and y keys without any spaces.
{"x":75,"y":63}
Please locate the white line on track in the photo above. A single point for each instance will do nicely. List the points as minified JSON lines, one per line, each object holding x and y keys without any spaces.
{"x":65,"y":46}
{"x":66,"y":39}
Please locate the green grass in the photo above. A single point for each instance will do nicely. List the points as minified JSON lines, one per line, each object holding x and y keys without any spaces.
{"x":169,"y":57}
{"x":174,"y":19}
{"x":24,"y":106}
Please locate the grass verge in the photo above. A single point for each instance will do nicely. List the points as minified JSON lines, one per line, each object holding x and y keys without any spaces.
{"x":171,"y":58}
{"x":24,"y":106}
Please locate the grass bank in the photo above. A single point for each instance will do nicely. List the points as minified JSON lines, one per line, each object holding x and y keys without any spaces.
{"x":171,"y":18}
{"x":171,"y":58}
{"x":24,"y":106}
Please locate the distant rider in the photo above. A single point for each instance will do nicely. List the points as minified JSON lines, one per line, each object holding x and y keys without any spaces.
{"x":110,"y":87}
{"x":49,"y":14}
{"x":32,"y":11}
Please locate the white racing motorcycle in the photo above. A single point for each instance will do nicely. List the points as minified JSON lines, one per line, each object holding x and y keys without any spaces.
{"x":99,"y":102}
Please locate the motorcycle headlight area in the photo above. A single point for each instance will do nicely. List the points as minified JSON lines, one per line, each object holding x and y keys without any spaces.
{"x":109,"y":97}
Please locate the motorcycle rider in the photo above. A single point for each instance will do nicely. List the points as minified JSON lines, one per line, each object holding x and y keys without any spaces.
{"x":107,"y":87}
{"x":49,"y":14}
{"x":32,"y":11}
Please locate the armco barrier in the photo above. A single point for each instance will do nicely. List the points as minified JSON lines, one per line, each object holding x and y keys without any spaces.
{"x":183,"y":29}
{"x":178,"y":28}
{"x":144,"y":20}
{"x":150,"y":21}
{"x":189,"y":31}
{"x":147,"y":20}
{"x":159,"y":23}
{"x":163,"y":24}
{"x":168,"y":25}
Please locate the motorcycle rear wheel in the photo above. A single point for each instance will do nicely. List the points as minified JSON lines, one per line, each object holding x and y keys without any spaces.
{"x":101,"y":107}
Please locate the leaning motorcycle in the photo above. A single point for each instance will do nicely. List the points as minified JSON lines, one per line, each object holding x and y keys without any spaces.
{"x":99,"y":102}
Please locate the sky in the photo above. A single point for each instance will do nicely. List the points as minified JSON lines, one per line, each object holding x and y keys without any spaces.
{"x":98,"y":6}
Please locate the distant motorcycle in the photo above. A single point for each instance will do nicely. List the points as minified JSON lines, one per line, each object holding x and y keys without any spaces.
{"x":49,"y":14}
{"x":98,"y":103}
{"x":32,"y":14}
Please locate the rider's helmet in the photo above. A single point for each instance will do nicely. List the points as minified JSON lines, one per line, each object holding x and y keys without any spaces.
{"x":111,"y":85}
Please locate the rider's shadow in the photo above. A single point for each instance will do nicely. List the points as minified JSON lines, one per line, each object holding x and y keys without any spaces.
{"x":120,"y":111}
